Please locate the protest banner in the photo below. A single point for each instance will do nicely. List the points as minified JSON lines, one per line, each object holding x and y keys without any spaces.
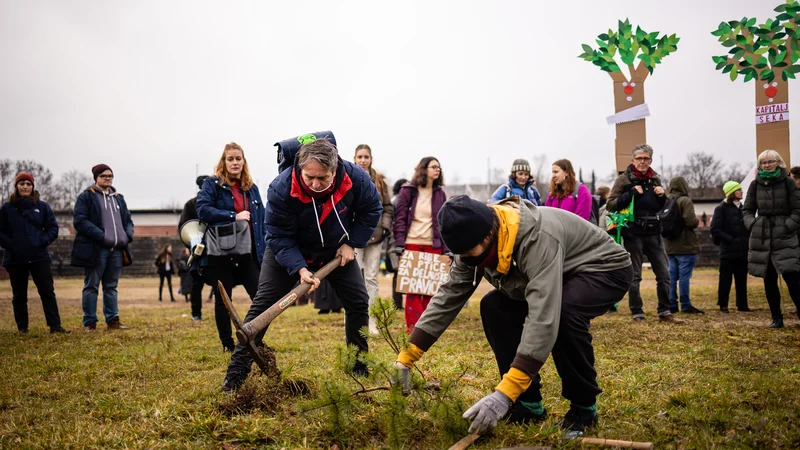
{"x":422,"y":273}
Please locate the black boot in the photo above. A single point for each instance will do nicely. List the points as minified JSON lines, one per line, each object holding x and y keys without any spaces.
{"x":577,"y":420}
{"x":776,"y":323}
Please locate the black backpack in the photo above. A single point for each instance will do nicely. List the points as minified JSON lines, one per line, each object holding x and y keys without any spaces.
{"x":288,"y":148}
{"x":595,"y":216}
{"x":671,"y":219}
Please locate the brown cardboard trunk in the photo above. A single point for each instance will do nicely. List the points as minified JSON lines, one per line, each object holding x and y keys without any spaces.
{"x":773,"y":136}
{"x":629,"y":134}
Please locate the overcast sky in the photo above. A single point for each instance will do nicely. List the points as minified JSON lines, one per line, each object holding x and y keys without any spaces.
{"x":156,"y":88}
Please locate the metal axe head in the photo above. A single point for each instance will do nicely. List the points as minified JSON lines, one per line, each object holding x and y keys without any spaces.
{"x":267,"y":364}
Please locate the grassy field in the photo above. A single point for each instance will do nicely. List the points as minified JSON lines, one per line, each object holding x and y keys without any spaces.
{"x":719,"y":381}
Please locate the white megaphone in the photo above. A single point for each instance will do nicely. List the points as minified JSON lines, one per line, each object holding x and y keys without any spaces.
{"x":192,"y":233}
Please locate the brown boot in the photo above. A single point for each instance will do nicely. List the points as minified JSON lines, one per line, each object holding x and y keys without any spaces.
{"x":670,"y":319}
{"x":115,"y":324}
{"x":90,"y":327}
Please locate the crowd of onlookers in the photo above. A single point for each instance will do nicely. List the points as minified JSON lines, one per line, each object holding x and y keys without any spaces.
{"x":756,"y":233}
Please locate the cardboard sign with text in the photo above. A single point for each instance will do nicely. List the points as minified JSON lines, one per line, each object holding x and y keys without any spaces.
{"x":422,"y":273}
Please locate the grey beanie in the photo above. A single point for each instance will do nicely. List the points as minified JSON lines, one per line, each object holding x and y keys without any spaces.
{"x":520,"y":164}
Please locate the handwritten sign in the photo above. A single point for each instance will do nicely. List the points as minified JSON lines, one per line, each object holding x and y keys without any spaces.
{"x":776,"y":112}
{"x":422,"y":273}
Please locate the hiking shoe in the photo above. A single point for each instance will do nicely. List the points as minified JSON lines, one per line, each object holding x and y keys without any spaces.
{"x":520,"y":414}
{"x":673,"y":309}
{"x":360,"y":369}
{"x":776,"y":323}
{"x":59,"y":329}
{"x":692,"y":310}
{"x":638,"y":319}
{"x":173,"y":300}
{"x":670,"y":319}
{"x":576,"y":421}
{"x":324,"y":311}
{"x":228,"y":348}
{"x":233,"y":381}
{"x":89,"y":327}
{"x":115,"y":324}
{"x":745,"y":309}
{"x":196,"y":318}
{"x":23,"y":331}
{"x":612,"y":309}
{"x":723,"y":309}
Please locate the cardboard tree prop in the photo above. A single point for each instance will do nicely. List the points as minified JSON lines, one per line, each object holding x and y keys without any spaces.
{"x":767,"y":53}
{"x":649,"y":49}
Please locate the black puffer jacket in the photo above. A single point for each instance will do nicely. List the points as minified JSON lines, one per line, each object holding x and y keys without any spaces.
{"x":773,"y":234}
{"x":728,"y":231}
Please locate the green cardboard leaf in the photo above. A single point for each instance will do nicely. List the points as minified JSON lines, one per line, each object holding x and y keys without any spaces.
{"x":784,"y":16}
{"x":749,"y":76}
{"x":751,"y":22}
{"x":727,"y":68}
{"x":719,"y":59}
{"x":795,"y":57}
{"x":761,"y":51}
{"x":587,"y":49}
{"x":603,"y":37}
{"x":729,"y":43}
{"x":739,"y":54}
{"x":734,"y":74}
{"x":786,"y":75}
{"x":765,"y":75}
{"x":721,"y":65}
{"x":780,"y":8}
{"x":780,"y":65}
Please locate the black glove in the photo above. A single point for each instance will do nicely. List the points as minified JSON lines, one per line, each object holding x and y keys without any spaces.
{"x":399,"y":250}
{"x":386,"y":233}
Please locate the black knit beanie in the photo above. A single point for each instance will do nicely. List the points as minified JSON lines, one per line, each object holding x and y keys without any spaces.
{"x":464,"y":223}
{"x":200,"y":180}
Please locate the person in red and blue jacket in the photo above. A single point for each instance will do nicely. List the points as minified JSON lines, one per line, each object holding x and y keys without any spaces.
{"x":320,"y":208}
{"x":229,"y":196}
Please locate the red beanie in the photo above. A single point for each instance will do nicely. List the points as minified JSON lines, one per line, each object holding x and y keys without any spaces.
{"x":98,"y":169}
{"x":23,"y":176}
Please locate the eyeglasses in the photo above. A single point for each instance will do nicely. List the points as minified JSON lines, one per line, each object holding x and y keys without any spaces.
{"x":435,"y":167}
{"x":642,"y":159}
{"x":769,"y":162}
{"x":107,"y":177}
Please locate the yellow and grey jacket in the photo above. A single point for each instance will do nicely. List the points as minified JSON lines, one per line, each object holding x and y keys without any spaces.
{"x":537,"y":248}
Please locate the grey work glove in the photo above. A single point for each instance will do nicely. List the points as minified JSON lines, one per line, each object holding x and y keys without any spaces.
{"x":485,"y":414}
{"x":403,"y":376}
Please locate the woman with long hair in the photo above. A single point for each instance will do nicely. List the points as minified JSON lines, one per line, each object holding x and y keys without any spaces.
{"x":27,"y":227}
{"x":772,"y":215}
{"x":166,"y":268}
{"x":369,"y":258}
{"x":567,"y":193}
{"x":227,"y":197}
{"x":416,"y":226}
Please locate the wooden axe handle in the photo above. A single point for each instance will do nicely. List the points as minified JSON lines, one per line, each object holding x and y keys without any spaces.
{"x":465,"y":442}
{"x":617,"y":444}
{"x":255,"y":326}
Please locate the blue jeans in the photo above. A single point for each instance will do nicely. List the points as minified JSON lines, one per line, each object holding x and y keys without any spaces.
{"x":680,"y":273}
{"x":107,"y":271}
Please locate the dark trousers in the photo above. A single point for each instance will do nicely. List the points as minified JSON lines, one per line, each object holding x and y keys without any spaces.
{"x":653,"y":247}
{"x":584,"y":296}
{"x":168,"y":277}
{"x":275,"y":282}
{"x":196,"y":296}
{"x":773,"y":292}
{"x":731,"y":270}
{"x":43,"y":279}
{"x":245,"y":273}
{"x":396,"y":296}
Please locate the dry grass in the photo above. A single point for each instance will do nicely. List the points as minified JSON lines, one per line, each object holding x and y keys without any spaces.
{"x":720,"y":381}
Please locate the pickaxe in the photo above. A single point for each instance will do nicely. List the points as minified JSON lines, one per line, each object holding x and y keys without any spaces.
{"x":246,"y":332}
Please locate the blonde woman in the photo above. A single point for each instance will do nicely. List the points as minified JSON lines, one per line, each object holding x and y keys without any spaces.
{"x":772,"y":215}
{"x":369,"y":258}
{"x":230,"y":196}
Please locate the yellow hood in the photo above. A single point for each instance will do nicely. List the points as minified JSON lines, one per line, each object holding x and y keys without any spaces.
{"x":506,"y":235}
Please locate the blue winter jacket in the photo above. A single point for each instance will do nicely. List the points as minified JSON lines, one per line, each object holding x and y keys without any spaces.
{"x":215,"y":207}
{"x":306,"y":232}
{"x":88,"y":223}
{"x":26,"y":229}
{"x":527,"y":192}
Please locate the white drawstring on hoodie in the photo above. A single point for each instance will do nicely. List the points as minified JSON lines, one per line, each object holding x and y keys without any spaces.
{"x":319,"y":227}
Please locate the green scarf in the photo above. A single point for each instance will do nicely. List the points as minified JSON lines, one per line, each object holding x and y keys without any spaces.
{"x":769,"y":175}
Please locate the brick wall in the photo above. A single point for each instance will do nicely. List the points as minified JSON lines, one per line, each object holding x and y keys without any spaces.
{"x":144,"y":250}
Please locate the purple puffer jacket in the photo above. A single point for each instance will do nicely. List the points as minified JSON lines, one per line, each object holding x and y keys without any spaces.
{"x":582,"y":206}
{"x":404,"y":214}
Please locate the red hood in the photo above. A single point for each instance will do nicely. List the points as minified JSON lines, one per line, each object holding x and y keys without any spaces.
{"x":337,"y":196}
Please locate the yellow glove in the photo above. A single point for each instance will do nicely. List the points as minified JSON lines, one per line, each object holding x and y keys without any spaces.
{"x":409,"y":355}
{"x":514,"y":383}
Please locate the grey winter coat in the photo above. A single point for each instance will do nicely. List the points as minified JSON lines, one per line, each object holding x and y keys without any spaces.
{"x":550,"y":243}
{"x":773,"y":234}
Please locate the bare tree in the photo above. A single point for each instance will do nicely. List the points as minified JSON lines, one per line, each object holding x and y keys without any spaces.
{"x":735,"y":171}
{"x":69,"y":186}
{"x":6,"y":178}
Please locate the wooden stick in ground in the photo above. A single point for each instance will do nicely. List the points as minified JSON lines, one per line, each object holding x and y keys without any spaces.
{"x":617,"y":444}
{"x":465,"y":442}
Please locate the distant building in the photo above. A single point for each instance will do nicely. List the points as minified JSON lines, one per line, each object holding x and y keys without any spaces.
{"x":146,"y":222}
